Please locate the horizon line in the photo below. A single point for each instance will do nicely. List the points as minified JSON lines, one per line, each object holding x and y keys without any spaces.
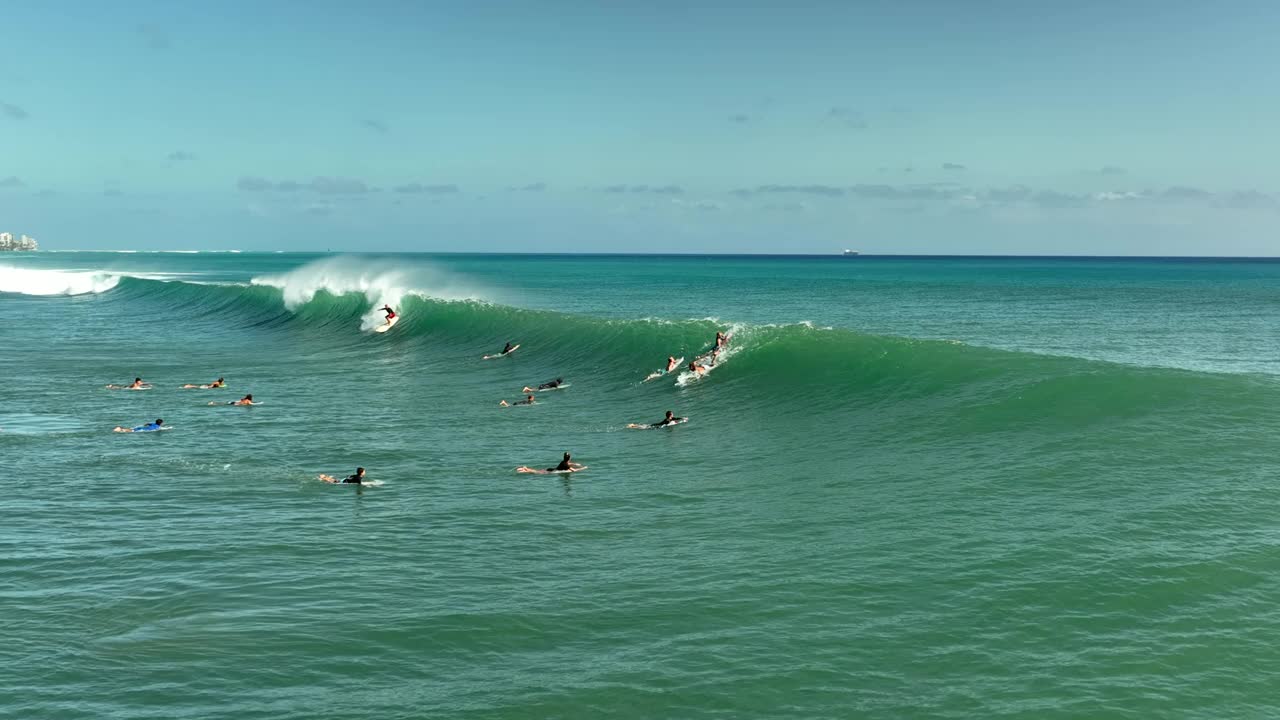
{"x":837,"y":255}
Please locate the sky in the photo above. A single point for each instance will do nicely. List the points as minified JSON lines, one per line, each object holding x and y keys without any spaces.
{"x":914,"y":126}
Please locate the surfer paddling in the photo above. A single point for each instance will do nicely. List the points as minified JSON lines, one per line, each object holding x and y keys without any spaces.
{"x":246,"y":400}
{"x":149,"y":427}
{"x":219,"y":383}
{"x":697,"y":369}
{"x":667,"y":421}
{"x":137,"y":384}
{"x":528,"y":400}
{"x":566,"y":466}
{"x":549,"y":385}
{"x":506,"y":350}
{"x":357,"y":479}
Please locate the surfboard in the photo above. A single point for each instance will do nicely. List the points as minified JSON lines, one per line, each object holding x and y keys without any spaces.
{"x":387,"y":325}
{"x":126,"y":387}
{"x":513,"y":349}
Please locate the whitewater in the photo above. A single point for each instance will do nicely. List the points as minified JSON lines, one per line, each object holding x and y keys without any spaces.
{"x":911,"y":487}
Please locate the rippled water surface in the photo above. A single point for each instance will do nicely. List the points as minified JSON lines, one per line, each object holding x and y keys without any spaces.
{"x":933,"y":488}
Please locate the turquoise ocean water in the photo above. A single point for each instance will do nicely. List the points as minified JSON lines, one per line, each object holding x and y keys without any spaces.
{"x":912,"y":488}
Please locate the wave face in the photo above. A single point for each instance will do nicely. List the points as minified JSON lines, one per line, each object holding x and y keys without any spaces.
{"x":795,"y":372}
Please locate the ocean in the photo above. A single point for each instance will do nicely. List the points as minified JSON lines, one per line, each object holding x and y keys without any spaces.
{"x":909,"y":488}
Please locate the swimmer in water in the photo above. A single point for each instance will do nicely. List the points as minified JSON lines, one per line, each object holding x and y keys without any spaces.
{"x":149,"y":427}
{"x":669,"y":420}
{"x":246,"y":400}
{"x":137,"y":384}
{"x":551,"y":385}
{"x":566,"y":465}
{"x":528,"y":400}
{"x":357,"y":479}
{"x":219,"y":383}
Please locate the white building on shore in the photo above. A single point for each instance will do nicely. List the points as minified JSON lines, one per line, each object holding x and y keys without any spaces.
{"x":23,"y":243}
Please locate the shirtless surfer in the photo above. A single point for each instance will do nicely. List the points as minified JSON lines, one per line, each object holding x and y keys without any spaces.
{"x":357,"y":479}
{"x":137,"y":384}
{"x":566,"y":466}
{"x":722,"y":339}
{"x":697,"y":369}
{"x":219,"y":383}
{"x":667,"y":421}
{"x":528,"y":400}
{"x":149,"y":427}
{"x":246,"y":400}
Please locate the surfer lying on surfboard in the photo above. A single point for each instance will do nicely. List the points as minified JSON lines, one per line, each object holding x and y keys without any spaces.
{"x":149,"y":427}
{"x":667,"y":421}
{"x":565,"y":466}
{"x":137,"y":384}
{"x":549,"y":385}
{"x":219,"y":383}
{"x":357,"y":479}
{"x":528,"y":400}
{"x":697,"y":369}
{"x":507,"y":350}
{"x":246,"y":400}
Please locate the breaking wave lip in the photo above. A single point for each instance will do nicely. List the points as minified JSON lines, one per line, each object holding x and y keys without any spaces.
{"x":32,"y":281}
{"x":381,"y":281}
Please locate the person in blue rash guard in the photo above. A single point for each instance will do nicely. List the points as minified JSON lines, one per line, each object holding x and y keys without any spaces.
{"x":149,"y":427}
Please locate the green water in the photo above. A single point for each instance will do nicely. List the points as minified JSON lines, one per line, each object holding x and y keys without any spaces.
{"x":929,"y":488}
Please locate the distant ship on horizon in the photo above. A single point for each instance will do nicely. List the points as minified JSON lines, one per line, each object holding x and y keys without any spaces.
{"x":850,"y":253}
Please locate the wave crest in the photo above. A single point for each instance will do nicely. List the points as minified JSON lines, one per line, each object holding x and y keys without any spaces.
{"x":32,"y":281}
{"x":381,"y":281}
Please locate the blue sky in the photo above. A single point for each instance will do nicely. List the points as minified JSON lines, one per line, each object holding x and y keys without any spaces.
{"x":915,"y":127}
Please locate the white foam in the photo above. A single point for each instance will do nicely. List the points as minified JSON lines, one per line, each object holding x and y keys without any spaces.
{"x":31,"y":281}
{"x":381,"y":281}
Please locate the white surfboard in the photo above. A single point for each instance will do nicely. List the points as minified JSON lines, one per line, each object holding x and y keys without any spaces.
{"x":513,"y":349}
{"x":387,"y":325}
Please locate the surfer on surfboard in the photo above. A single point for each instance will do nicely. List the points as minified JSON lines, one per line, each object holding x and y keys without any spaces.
{"x":549,"y":385}
{"x":566,"y":466}
{"x":357,"y":479}
{"x":149,"y":427}
{"x":528,"y":400}
{"x":667,"y":421}
{"x":137,"y":384}
{"x":246,"y":400}
{"x":219,"y":383}
{"x":722,"y":339}
{"x":507,"y":350}
{"x":697,"y":369}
